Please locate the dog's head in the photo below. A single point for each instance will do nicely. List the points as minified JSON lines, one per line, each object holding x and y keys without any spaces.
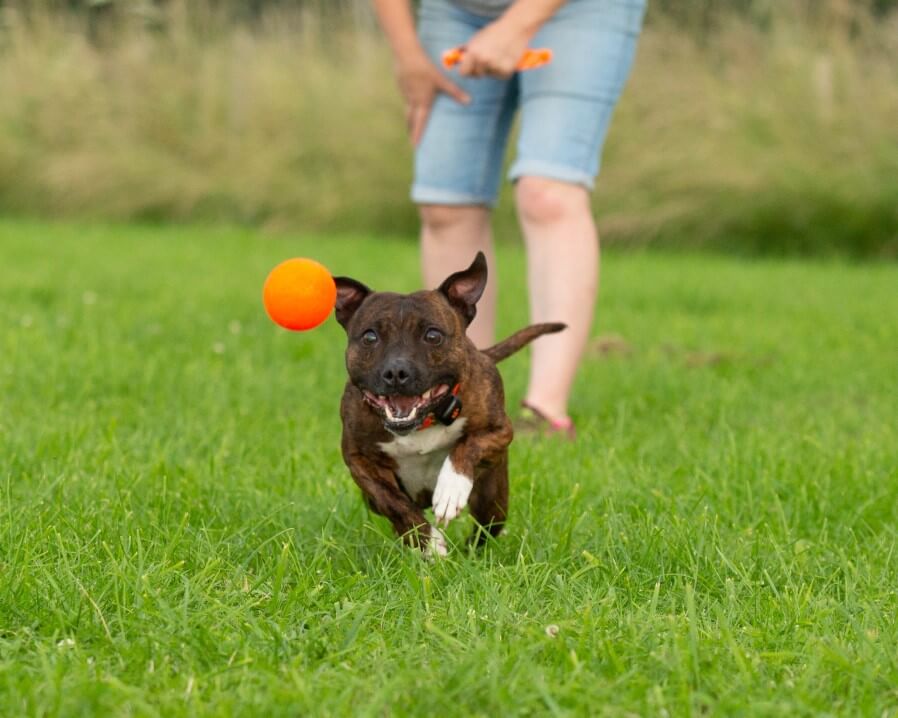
{"x":407,"y":351}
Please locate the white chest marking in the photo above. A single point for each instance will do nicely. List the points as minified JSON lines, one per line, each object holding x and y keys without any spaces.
{"x":420,"y":455}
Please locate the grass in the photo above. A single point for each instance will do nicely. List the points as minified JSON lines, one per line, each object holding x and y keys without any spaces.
{"x":772,"y":136}
{"x":179,"y":536}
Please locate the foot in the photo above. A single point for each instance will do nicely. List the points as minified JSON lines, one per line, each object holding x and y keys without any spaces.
{"x":533,"y":422}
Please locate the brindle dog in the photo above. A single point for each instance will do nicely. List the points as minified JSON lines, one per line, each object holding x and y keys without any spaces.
{"x":423,"y":412}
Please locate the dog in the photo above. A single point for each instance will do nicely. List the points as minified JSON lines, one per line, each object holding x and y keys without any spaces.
{"x":423,"y":410}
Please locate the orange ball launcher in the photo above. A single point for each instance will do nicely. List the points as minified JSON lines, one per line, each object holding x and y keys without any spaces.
{"x":530,"y":60}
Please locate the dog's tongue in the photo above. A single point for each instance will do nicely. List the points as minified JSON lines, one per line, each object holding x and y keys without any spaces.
{"x":404,"y":403}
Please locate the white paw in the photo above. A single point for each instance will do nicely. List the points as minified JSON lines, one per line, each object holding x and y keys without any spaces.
{"x":451,"y":493}
{"x":436,"y":546}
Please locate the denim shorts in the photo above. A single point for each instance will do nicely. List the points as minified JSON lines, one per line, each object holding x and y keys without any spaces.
{"x":565,"y":106}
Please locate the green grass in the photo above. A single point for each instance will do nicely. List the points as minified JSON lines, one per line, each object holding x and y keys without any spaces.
{"x":178,"y":535}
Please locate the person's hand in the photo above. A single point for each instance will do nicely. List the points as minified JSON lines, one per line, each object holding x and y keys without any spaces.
{"x":419,"y":82}
{"x":494,"y":51}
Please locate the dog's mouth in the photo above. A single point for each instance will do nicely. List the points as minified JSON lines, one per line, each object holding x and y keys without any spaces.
{"x":402,"y":413}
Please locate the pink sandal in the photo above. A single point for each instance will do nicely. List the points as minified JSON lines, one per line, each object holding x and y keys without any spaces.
{"x":532,"y":422}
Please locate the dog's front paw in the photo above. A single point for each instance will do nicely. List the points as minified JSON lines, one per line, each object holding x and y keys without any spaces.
{"x":451,"y":493}
{"x":436,"y":544}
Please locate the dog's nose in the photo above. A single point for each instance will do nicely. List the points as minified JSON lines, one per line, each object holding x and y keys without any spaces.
{"x":397,"y":373}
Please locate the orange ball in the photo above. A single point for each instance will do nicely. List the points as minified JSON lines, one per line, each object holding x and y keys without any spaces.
{"x":299,"y":294}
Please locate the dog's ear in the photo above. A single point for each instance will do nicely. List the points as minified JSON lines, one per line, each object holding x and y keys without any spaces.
{"x":350,"y":295}
{"x":464,"y":289}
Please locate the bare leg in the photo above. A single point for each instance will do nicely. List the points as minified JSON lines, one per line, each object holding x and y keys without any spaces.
{"x":450,"y":237}
{"x":563,"y":275}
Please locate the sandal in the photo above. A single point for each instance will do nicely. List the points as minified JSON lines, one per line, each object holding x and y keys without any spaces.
{"x":532,"y":422}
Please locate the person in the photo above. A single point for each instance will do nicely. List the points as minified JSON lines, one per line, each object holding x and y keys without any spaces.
{"x":459,"y":123}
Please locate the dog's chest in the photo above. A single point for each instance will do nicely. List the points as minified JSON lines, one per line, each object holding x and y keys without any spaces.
{"x":420,"y":455}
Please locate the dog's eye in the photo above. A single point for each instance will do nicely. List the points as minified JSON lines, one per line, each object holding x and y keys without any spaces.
{"x":433,"y":336}
{"x":370,"y":337}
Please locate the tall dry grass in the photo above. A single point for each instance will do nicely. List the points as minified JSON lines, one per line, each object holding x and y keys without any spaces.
{"x":774,"y":138}
{"x":781,"y":139}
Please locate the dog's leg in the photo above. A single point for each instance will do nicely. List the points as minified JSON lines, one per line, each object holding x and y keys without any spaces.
{"x":489,"y":502}
{"x":384,"y":496}
{"x":456,"y":479}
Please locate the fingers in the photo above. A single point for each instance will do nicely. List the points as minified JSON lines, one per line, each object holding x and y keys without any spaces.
{"x":454,"y":91}
{"x":503,"y":72}
{"x":418,"y":110}
{"x":473,"y":66}
{"x":417,"y":121}
{"x":469,"y":65}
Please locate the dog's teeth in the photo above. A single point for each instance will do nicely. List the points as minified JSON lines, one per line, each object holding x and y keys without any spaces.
{"x":389,"y":412}
{"x":426,"y":395}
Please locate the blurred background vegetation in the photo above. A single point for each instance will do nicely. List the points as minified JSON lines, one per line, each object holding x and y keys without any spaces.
{"x":756,"y":126}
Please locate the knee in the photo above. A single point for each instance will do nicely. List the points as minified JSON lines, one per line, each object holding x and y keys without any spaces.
{"x":544,"y":201}
{"x":439,"y":218}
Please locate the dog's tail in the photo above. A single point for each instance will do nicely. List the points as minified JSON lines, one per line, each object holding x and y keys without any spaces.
{"x":520,"y":339}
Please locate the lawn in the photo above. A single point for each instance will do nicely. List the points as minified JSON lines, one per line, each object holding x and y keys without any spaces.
{"x":179,"y":536}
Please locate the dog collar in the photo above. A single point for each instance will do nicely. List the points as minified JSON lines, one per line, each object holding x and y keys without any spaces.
{"x":446,"y":411}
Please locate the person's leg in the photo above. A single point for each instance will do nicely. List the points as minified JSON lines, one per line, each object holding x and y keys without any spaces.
{"x":451,"y":235}
{"x":566,"y":109}
{"x":458,"y":164}
{"x":563,"y":276}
